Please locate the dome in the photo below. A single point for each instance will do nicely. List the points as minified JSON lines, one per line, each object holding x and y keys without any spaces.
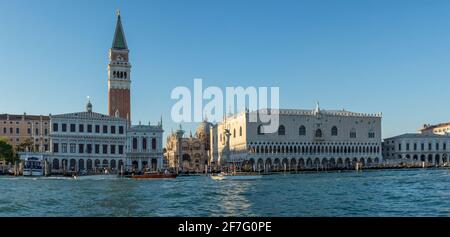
{"x":203,"y":129}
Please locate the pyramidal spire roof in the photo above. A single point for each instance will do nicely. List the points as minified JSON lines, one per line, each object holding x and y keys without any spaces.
{"x":119,"y":41}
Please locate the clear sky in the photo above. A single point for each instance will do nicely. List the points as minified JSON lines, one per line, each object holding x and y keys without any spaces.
{"x":365,"y":56}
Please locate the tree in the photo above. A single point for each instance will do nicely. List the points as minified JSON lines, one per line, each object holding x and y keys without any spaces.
{"x":6,"y":150}
{"x":28,"y":143}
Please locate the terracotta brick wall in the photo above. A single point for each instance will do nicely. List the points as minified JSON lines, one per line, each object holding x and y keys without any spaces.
{"x":119,"y":99}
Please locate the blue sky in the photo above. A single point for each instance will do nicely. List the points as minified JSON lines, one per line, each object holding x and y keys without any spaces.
{"x":365,"y":56}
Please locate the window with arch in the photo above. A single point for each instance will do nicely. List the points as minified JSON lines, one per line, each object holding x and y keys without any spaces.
{"x":234,"y":133}
{"x":302,"y":131}
{"x":281,"y":130}
{"x":144,"y":143}
{"x":260,"y":130}
{"x":353,"y":133}
{"x":153,"y":143}
{"x":135,"y":143}
{"x":318,"y":133}
{"x":240,"y":131}
{"x":334,"y":131}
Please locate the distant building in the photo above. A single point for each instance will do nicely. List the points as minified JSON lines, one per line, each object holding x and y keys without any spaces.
{"x":189,"y":153}
{"x":431,"y":148}
{"x":87,"y":141}
{"x":144,"y":147}
{"x":306,"y":139}
{"x":20,"y":128}
{"x":440,"y":129}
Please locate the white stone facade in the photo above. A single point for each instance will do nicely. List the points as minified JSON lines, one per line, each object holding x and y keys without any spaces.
{"x":87,"y":141}
{"x":306,"y":139}
{"x":144,"y":147}
{"x":432,"y":149}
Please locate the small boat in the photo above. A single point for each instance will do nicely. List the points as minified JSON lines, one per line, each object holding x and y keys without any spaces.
{"x":235,"y":176}
{"x":33,"y":167}
{"x":150,"y":175}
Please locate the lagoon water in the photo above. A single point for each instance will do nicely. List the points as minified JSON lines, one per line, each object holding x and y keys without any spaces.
{"x":418,"y":192}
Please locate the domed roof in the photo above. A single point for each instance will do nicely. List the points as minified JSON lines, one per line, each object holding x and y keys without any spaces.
{"x":203,"y":128}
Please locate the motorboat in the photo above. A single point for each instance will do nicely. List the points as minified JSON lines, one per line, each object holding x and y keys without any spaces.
{"x":155,"y":175}
{"x":235,"y":176}
{"x":33,"y":166}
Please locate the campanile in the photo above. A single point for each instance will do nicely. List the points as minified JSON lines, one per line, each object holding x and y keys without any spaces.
{"x":119,"y":69}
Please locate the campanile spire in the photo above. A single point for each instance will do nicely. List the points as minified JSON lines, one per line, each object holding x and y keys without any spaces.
{"x":119,"y":70}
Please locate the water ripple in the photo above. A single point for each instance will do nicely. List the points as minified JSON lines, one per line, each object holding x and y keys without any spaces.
{"x":370,"y":193}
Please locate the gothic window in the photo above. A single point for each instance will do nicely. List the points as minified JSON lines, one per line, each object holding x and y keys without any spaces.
{"x":114,"y":74}
{"x":144,"y":143}
{"x":371,"y":134}
{"x":134,"y":143}
{"x":318,"y":133}
{"x":153,"y":143}
{"x":125,"y":75}
{"x":353,"y":133}
{"x":334,"y":131}
{"x":281,"y":130}
{"x":302,"y":131}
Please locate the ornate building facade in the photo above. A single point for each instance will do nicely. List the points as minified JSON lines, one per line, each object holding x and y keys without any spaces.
{"x":433,"y":149}
{"x":19,"y":129}
{"x":119,"y":69}
{"x":305,"y":139}
{"x":189,"y":154}
{"x":144,"y":147}
{"x":87,"y":141}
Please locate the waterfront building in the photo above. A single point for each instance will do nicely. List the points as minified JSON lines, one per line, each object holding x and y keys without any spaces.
{"x":144,"y":147}
{"x":433,"y":149}
{"x":305,"y":139}
{"x":32,"y":130}
{"x":87,"y":141}
{"x":119,"y":74}
{"x":440,"y":129}
{"x":191,"y":153}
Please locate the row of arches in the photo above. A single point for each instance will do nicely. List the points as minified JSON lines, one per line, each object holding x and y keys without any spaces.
{"x":197,"y":163}
{"x":121,"y":75}
{"x":88,"y":165}
{"x":430,"y":158}
{"x":294,"y":164}
{"x":314,"y":149}
{"x":145,"y":165}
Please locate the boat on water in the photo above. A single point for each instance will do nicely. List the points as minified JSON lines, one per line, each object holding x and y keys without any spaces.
{"x":235,"y":176}
{"x":155,"y":175}
{"x":33,"y":166}
{"x":99,"y":176}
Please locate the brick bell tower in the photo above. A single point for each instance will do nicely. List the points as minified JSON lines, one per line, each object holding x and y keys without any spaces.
{"x":119,"y":82}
